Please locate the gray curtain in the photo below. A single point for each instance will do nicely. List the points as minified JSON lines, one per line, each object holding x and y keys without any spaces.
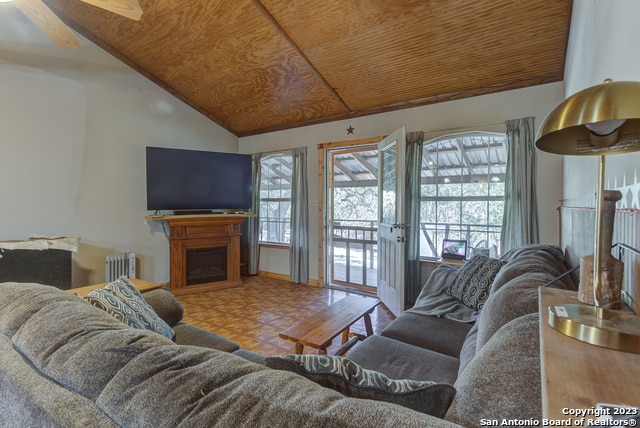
{"x":412,"y":213}
{"x":253,"y":223}
{"x":299,"y":246}
{"x":520,"y":220}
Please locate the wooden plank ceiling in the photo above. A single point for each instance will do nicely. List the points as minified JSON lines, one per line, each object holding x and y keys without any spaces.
{"x":255,"y":66}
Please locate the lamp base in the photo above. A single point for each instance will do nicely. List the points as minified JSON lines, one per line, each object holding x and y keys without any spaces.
{"x":616,"y":329}
{"x":611,"y":274}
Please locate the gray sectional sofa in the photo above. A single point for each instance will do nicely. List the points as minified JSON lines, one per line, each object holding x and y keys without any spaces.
{"x":474,"y":327}
{"x":66,"y":363}
{"x":490,"y":355}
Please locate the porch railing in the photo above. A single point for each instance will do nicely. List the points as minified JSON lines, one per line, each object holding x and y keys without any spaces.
{"x":357,"y":241}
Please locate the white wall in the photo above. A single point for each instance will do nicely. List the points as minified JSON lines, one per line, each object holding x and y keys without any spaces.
{"x":39,"y":192}
{"x":72,"y":163}
{"x":604,"y":43}
{"x":499,"y":107}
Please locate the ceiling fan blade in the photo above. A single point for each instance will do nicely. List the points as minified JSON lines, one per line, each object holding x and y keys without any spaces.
{"x":127,"y":8}
{"x":48,"y":23}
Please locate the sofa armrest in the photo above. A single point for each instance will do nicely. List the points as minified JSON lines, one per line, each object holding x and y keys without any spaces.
{"x":171,"y":311}
{"x":165,"y":304}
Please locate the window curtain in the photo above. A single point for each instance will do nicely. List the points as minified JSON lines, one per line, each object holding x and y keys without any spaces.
{"x":415,"y":142}
{"x":253,"y":223}
{"x":299,"y":246}
{"x":520,"y":220}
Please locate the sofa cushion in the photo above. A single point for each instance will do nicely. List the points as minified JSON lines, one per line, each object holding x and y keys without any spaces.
{"x":437,"y":334}
{"x":67,"y":340}
{"x":514,"y":299}
{"x":400,"y":360}
{"x":350,"y":379}
{"x":472,"y":282}
{"x":535,"y":258}
{"x":468,"y":350}
{"x":502,"y":382}
{"x":509,"y":272}
{"x":122,"y":300}
{"x":196,"y":387}
{"x":188,"y":375}
{"x":188,"y":334}
{"x":29,"y":399}
{"x":21,"y":300}
{"x":251,"y":356}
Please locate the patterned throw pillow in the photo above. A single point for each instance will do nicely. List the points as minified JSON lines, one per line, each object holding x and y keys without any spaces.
{"x":473,"y":281}
{"x":350,"y":379}
{"x":122,"y":300}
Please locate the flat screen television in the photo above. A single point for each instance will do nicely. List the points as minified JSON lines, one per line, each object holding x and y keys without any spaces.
{"x":193,"y":180}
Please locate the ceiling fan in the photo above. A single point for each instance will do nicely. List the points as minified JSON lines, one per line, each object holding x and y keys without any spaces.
{"x":40,"y":14}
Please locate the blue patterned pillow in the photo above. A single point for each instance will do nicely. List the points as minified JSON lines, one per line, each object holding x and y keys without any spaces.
{"x":122,"y":300}
{"x":348,"y":378}
{"x":472,"y":283}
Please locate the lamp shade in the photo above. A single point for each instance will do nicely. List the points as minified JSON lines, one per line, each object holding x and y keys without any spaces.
{"x":600,"y":120}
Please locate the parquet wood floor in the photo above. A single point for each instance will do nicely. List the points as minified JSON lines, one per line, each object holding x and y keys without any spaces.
{"x":252,"y":315}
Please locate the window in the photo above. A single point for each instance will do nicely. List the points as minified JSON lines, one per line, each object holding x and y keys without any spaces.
{"x":462,"y":191}
{"x":275,"y":198}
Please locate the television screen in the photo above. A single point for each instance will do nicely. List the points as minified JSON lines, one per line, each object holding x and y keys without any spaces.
{"x":179,"y":179}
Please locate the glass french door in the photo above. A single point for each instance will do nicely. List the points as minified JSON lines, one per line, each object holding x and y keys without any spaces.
{"x":391,"y":226}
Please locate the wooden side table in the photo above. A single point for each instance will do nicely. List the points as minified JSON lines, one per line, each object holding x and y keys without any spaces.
{"x":577,"y":375}
{"x":139,"y":283}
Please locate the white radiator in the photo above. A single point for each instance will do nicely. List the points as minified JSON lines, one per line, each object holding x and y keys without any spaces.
{"x":119,"y":264}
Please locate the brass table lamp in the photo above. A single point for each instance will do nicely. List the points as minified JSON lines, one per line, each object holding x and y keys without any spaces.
{"x":598,"y":121}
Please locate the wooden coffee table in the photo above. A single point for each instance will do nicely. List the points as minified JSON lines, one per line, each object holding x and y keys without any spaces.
{"x":318,"y":331}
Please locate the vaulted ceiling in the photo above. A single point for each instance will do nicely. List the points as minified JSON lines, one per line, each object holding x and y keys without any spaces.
{"x":256,"y":66}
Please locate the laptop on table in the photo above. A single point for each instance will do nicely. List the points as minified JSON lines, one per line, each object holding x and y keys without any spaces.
{"x":454,"y":249}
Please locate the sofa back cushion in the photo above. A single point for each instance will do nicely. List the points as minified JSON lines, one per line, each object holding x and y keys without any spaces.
{"x":468,"y":350}
{"x":502,"y":382}
{"x":21,"y":300}
{"x":196,"y":387}
{"x":28,"y":399}
{"x":516,"y":298}
{"x":67,"y":339}
{"x":534,"y":258}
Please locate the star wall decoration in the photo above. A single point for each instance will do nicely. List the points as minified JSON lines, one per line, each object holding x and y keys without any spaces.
{"x":350,"y":129}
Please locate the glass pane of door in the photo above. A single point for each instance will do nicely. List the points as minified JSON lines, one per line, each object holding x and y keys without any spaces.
{"x":352,"y":208}
{"x":389,"y":185}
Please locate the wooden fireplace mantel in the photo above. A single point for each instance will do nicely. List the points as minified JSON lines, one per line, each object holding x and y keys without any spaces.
{"x":197,"y":232}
